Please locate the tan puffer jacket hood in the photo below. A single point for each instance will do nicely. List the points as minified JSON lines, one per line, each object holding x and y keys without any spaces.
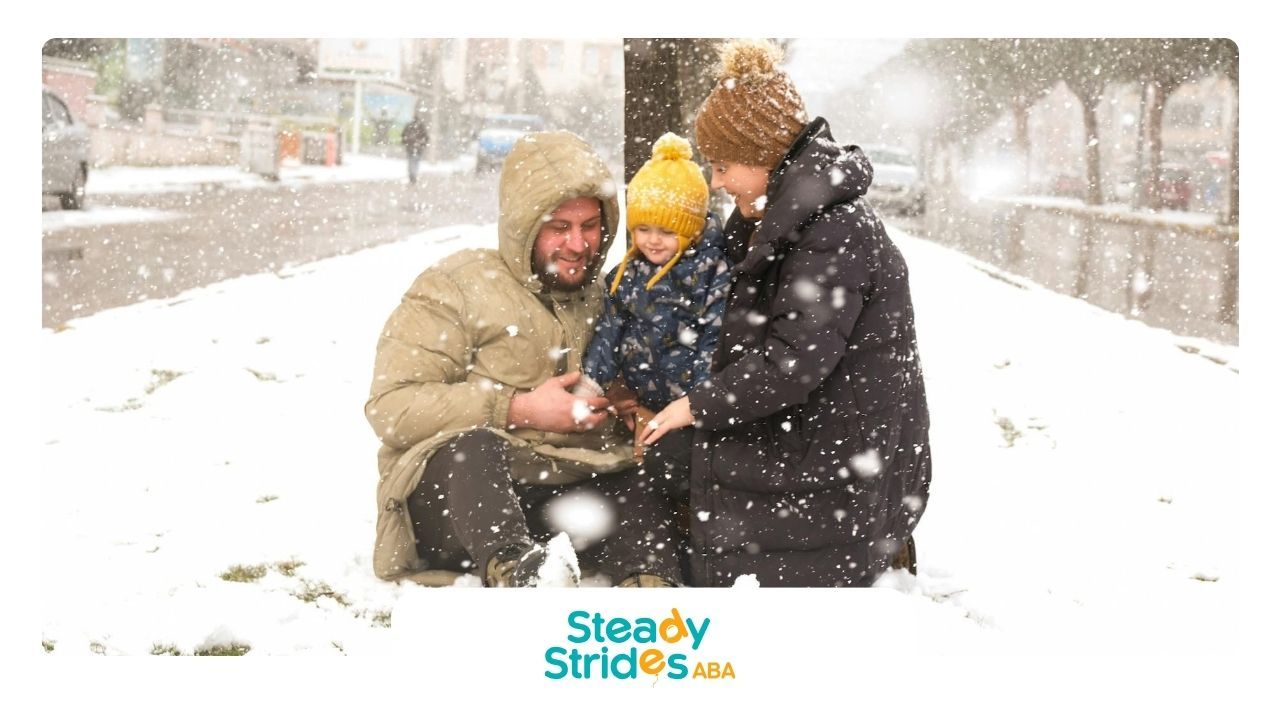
{"x":542,"y":171}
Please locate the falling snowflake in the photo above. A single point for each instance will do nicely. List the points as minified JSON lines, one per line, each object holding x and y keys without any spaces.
{"x":586,"y":515}
{"x":807,"y":290}
{"x":867,"y":464}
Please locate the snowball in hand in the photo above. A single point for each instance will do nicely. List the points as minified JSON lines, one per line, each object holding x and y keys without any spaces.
{"x":581,"y":411}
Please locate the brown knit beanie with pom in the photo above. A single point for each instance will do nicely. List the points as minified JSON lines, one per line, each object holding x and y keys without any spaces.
{"x":754,"y":113}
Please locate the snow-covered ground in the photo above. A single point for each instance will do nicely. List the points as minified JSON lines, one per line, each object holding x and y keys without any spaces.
{"x":92,"y":216}
{"x":121,"y":180}
{"x":1084,"y":495}
{"x":191,"y":178}
{"x":1166,"y":216}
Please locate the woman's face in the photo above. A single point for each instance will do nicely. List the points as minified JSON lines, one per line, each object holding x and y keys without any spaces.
{"x":745,"y":183}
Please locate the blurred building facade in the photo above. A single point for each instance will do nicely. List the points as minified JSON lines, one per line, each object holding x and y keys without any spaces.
{"x":218,"y":84}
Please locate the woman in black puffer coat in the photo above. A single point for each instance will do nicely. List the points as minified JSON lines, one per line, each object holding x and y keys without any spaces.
{"x":811,"y":464}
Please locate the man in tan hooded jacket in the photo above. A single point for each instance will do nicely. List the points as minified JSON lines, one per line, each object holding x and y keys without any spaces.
{"x":469,"y":395}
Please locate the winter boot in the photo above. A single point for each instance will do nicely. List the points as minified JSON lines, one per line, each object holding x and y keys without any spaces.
{"x":538,"y":565}
{"x":645,"y":580}
{"x":905,"y":559}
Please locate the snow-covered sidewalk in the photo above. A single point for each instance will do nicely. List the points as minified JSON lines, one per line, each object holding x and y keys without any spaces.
{"x":208,"y":475}
{"x":192,"y":178}
{"x":91,"y":216}
{"x":120,"y":180}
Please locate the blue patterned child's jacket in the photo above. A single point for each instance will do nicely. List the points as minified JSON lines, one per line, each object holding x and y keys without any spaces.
{"x":661,"y":340}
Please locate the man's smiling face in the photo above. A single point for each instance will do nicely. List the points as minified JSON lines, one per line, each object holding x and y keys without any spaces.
{"x":568,"y":243}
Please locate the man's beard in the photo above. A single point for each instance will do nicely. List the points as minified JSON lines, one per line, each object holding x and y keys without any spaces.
{"x":550,"y":275}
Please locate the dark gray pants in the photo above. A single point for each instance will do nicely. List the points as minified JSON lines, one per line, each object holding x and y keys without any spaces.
{"x":467,"y":506}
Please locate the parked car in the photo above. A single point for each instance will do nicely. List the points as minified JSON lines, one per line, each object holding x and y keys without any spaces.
{"x":897,"y":185}
{"x":66,"y":153}
{"x":1066,"y":184}
{"x":1173,"y":191}
{"x":498,"y":134}
{"x":1175,"y":186}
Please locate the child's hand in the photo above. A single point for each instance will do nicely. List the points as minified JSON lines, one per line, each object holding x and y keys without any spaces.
{"x":623,"y":403}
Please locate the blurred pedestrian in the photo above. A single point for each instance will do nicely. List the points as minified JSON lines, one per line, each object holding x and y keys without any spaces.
{"x":414,"y":137}
{"x":382,"y":128}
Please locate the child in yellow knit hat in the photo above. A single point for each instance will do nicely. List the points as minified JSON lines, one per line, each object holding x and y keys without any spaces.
{"x":664,"y":301}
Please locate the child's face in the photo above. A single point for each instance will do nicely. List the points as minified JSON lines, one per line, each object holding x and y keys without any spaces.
{"x":657,"y":244}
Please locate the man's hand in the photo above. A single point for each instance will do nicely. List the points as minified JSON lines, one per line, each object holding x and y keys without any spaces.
{"x":552,"y":408}
{"x":672,"y":417}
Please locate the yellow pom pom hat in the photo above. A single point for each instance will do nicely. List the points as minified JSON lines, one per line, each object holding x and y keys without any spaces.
{"x":669,"y":192}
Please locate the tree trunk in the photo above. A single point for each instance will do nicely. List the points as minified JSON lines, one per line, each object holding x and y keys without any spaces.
{"x":1092,"y":156}
{"x":1233,"y":198}
{"x":1022,"y":139}
{"x":652,"y":98}
{"x":695,"y":58}
{"x":1153,"y":124}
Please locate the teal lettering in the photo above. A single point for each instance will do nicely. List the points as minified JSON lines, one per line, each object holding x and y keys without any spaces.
{"x":646,"y":631}
{"x":618,"y":630}
{"x":573,"y":618}
{"x":630,"y":660}
{"x":696,"y":633}
{"x":676,"y":669}
{"x":552,"y":652}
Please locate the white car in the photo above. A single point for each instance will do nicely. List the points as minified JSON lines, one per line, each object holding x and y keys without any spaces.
{"x":897,"y":185}
{"x":66,"y":153}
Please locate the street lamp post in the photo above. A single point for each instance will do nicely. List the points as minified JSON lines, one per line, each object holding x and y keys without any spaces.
{"x":357,"y":117}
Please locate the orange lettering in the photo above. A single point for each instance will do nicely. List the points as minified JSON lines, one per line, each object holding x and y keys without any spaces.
{"x":652,"y":661}
{"x":676,"y":624}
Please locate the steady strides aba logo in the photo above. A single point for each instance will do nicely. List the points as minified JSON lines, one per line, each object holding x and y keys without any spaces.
{"x":622,"y":649}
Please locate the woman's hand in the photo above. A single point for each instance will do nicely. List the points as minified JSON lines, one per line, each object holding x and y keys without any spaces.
{"x":674,"y":416}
